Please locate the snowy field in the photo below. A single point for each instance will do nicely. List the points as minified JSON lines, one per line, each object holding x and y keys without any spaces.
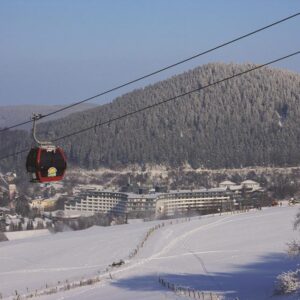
{"x":237,"y":255}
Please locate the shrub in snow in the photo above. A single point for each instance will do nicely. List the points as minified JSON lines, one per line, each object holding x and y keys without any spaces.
{"x":288,"y":282}
{"x":294,"y":248}
{"x":117,"y":264}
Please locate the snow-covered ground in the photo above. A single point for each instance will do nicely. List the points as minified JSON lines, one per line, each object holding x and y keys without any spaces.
{"x":17,"y":235}
{"x":238,"y":255}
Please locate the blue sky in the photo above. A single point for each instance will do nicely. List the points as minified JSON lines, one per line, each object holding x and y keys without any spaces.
{"x":62,"y":51}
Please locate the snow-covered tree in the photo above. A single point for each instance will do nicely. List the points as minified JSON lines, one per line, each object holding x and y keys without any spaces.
{"x":288,"y":282}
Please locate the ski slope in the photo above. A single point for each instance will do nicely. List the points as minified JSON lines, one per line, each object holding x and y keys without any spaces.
{"x":236,"y":255}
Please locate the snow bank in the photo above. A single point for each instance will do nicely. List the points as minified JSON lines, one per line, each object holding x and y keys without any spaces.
{"x":18,"y":235}
{"x":135,"y":221}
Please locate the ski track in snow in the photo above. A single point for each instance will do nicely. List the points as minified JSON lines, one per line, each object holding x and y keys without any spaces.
{"x":135,"y":263}
{"x":51,"y":269}
{"x":174,"y":243}
{"x":182,"y":240}
{"x":139,"y":264}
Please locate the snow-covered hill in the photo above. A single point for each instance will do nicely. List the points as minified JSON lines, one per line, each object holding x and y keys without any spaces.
{"x":237,"y":255}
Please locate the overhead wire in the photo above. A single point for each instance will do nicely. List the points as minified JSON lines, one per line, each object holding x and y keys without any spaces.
{"x":155,"y":72}
{"x":161,"y":102}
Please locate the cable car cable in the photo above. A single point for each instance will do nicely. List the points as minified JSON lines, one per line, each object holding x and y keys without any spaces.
{"x":175,"y":97}
{"x":156,"y":72}
{"x":161,"y":102}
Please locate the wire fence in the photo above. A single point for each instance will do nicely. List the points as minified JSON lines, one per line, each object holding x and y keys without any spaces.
{"x":189,"y":292}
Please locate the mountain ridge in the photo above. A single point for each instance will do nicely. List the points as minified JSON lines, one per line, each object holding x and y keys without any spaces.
{"x":246,"y":121}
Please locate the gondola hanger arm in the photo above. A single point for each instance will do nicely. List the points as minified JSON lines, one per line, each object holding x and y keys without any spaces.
{"x":44,"y":144}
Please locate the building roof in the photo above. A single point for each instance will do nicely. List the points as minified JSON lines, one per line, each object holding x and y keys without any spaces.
{"x":142,"y":196}
{"x":4,"y":209}
{"x":100,"y":190}
{"x":204,"y":190}
{"x":249,"y":182}
{"x":227,"y":182}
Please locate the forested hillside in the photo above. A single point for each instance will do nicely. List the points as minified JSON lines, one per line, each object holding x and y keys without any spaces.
{"x":247,"y":121}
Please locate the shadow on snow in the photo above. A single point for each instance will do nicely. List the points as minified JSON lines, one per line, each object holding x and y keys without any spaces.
{"x":252,"y":281}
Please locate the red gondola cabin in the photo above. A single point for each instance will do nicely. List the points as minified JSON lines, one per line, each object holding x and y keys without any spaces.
{"x":46,"y":165}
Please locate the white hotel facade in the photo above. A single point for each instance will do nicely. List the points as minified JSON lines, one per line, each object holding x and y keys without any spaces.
{"x":203,"y":200}
{"x":94,"y":200}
